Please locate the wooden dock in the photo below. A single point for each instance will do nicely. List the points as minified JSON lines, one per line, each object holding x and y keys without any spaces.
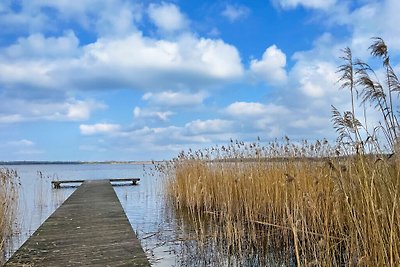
{"x":57,"y":184}
{"x":89,"y":229}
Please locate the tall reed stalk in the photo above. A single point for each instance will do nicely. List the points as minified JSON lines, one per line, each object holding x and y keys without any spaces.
{"x":361,"y":78}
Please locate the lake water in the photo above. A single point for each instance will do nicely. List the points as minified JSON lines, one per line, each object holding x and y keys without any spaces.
{"x":144,"y":204}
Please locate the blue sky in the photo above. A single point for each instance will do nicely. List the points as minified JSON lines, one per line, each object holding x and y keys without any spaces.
{"x":141,"y":80}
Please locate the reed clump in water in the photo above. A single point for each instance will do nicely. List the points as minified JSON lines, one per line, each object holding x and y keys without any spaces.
{"x":8,"y":205}
{"x":328,"y":211}
{"x":320,"y":205}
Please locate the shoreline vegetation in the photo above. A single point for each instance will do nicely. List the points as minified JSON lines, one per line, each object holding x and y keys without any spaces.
{"x":339,"y":209}
{"x":327,"y":212}
{"x":9,"y":182}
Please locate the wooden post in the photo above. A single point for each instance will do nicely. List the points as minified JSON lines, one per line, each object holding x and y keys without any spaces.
{"x":56,"y":184}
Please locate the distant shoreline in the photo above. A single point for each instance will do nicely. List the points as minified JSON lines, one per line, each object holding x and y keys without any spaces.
{"x":29,"y":162}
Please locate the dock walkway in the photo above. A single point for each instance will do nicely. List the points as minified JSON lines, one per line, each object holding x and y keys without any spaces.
{"x":89,"y":229}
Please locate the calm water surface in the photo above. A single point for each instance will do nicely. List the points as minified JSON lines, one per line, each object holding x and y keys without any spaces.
{"x":144,"y":204}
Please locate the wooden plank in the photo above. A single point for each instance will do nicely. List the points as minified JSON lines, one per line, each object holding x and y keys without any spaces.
{"x":89,"y":229}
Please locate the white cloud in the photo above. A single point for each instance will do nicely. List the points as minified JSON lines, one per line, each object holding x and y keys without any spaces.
{"x":119,"y":19}
{"x":81,"y":110}
{"x":22,"y":147}
{"x":104,"y":17}
{"x":21,"y":143}
{"x":313,"y":4}
{"x":13,"y":118}
{"x":167,"y":17}
{"x":99,"y":128}
{"x":271,"y":67}
{"x":20,"y":110}
{"x":175,"y":99}
{"x":15,"y":74}
{"x":317,"y":79}
{"x":23,"y":22}
{"x":314,"y":73}
{"x":254,"y":109}
{"x":71,"y":110}
{"x":235,"y":12}
{"x":188,"y":57}
{"x":311,"y":122}
{"x":164,"y":141}
{"x":209,"y":126}
{"x":255,"y":119}
{"x":370,"y":19}
{"x":246,"y":109}
{"x":38,"y":46}
{"x":40,"y":74}
{"x":133,"y":62}
{"x":159,"y":115}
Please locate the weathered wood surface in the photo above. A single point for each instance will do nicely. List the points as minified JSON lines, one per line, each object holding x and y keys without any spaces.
{"x":89,"y":229}
{"x":57,"y":184}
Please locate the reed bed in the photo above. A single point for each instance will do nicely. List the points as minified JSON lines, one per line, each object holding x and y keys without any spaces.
{"x":9,"y":182}
{"x":329,"y":211}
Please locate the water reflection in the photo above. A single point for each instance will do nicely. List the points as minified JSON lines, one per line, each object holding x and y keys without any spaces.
{"x":203,"y":242}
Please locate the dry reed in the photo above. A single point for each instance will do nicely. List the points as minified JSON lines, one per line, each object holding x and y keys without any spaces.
{"x":8,"y":199}
{"x":330,"y":211}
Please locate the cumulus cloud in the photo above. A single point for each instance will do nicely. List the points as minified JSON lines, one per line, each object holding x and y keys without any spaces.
{"x":271,"y":68}
{"x":316,"y":79}
{"x":235,"y":12}
{"x":38,"y":46}
{"x":167,"y":17}
{"x":133,"y":62}
{"x":152,"y":59}
{"x":99,"y":128}
{"x":175,"y":99}
{"x":41,"y":73}
{"x":314,"y":74}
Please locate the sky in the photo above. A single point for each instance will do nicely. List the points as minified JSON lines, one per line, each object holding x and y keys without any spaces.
{"x":96,"y":80}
